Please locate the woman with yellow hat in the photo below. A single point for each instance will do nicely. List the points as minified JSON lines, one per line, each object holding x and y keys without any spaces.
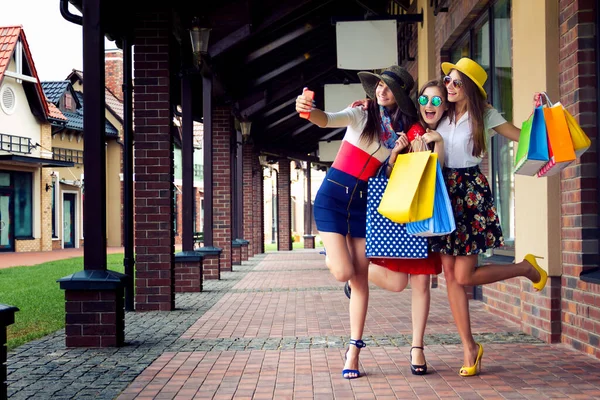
{"x":465,"y":132}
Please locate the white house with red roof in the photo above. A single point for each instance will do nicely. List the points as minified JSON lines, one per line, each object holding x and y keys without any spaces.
{"x":26,"y":158}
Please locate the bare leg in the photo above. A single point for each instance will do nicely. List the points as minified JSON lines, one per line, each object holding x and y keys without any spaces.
{"x":421,"y":297}
{"x":459,"y":303}
{"x":493,"y":273}
{"x":338,"y":259}
{"x":387,"y":279}
{"x":359,"y":300}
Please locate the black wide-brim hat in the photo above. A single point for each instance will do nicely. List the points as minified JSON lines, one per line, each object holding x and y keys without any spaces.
{"x":399,"y":81}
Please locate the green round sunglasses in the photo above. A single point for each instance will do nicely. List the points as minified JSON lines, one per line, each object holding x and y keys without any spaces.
{"x":436,"y":101}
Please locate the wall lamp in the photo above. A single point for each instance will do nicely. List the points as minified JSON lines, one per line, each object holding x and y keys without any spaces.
{"x":199,"y":37}
{"x":48,"y":186}
{"x":245,"y":127}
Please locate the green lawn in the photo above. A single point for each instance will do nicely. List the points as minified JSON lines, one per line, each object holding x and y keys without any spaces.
{"x":36,"y":293}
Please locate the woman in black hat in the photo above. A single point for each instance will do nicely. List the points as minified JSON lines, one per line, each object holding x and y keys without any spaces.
{"x":341,"y":202}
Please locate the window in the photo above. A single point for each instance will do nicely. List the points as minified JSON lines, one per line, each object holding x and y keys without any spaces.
{"x":22,"y":182}
{"x":8,"y":99}
{"x":486,"y":42}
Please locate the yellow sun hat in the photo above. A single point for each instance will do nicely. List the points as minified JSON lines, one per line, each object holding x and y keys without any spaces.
{"x":471,"y":69}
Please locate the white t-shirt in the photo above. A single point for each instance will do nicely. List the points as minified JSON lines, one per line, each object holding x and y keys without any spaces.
{"x":458,"y":141}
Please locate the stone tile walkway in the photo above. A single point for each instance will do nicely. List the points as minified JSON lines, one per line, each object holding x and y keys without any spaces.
{"x":276,"y":327}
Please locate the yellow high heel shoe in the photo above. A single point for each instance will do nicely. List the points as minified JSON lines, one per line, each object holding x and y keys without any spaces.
{"x":475,"y":369}
{"x":539,"y":285}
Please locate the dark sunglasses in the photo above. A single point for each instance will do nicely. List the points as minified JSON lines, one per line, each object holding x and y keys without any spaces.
{"x":436,"y":101}
{"x":457,"y":82}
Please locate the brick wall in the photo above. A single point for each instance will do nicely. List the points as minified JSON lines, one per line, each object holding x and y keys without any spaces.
{"x":46,"y":196}
{"x":179,"y":216}
{"x":258,"y":197}
{"x":113,"y":72}
{"x":154,"y":243}
{"x":27,"y":245}
{"x":222,"y":190}
{"x":248,"y":189}
{"x":284,"y":208}
{"x":579,"y":211}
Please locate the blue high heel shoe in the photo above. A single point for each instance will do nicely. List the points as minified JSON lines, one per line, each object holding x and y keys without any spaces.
{"x":346,"y":372}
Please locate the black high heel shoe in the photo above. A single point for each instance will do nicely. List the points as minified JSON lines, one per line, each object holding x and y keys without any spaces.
{"x":347,"y":289}
{"x":417,"y":369}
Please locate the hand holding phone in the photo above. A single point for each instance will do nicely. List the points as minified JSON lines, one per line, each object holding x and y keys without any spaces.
{"x":311,"y":95}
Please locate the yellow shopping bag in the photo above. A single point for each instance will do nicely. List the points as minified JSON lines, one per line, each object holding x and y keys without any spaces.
{"x":410,"y":191}
{"x":581,"y":142}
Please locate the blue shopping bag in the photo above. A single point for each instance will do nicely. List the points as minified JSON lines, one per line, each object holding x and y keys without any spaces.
{"x":442,"y":222}
{"x":385,"y":238}
{"x":532,"y":151}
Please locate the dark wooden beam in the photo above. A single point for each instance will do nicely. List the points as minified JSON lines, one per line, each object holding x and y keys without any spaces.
{"x":280,"y":70}
{"x":332,"y":134}
{"x":230,"y":41}
{"x":207,"y":108}
{"x":302,"y":129}
{"x":278,"y":108}
{"x":279,"y":42}
{"x":280,"y":120}
{"x":187,"y":163}
{"x":94,"y":151}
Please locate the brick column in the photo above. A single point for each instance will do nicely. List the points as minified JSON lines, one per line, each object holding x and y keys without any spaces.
{"x":154,"y":241}
{"x":211,"y":262}
{"x":284,"y":208}
{"x":236,"y":252}
{"x":248,"y":190}
{"x":258,"y":235}
{"x":578,"y":185}
{"x":222,"y":188}
{"x":309,"y":241}
{"x":95,"y":308}
{"x":188,"y":272}
{"x":7,"y":317}
{"x":244,"y":244}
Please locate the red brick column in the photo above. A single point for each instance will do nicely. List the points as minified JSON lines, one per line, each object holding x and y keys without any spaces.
{"x":236,"y":252}
{"x":211,"y":262}
{"x":248,"y":190}
{"x":258,"y":234}
{"x":244,"y":244}
{"x":7,"y":317}
{"x":154,"y":242}
{"x":188,"y":272}
{"x":222,"y":188}
{"x":579,"y":196}
{"x":309,"y":241}
{"x":284,"y":208}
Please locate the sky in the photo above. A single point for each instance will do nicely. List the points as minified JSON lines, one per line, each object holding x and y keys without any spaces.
{"x":54,"y":42}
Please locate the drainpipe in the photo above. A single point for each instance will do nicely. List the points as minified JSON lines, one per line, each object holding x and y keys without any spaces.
{"x":129,"y":259}
{"x":66,"y":14}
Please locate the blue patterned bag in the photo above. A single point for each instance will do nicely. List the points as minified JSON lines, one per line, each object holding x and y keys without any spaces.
{"x":442,"y":222}
{"x":385,"y":238}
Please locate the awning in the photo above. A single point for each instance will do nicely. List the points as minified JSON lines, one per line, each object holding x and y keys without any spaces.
{"x":15,"y":159}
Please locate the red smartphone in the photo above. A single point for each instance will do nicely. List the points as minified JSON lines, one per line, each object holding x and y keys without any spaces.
{"x":311,"y":95}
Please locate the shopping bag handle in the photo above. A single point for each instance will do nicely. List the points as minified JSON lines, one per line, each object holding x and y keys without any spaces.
{"x":548,"y":102}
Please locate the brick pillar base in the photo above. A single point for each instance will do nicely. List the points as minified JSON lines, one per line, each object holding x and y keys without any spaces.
{"x":7,"y":317}
{"x":309,"y":241}
{"x":95,"y":312}
{"x":188,"y":272}
{"x":541,"y":312}
{"x":244,"y":244}
{"x":236,"y":252}
{"x":211,"y":262}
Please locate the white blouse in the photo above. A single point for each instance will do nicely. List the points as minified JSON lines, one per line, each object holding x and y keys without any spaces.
{"x":458,"y":142}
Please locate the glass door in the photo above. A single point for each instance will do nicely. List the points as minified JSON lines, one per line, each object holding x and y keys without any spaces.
{"x":6,"y":235}
{"x":69,"y":220}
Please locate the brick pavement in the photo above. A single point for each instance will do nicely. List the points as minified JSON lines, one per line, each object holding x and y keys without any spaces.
{"x":275,"y":328}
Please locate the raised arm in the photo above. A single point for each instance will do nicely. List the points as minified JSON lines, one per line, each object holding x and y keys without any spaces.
{"x":317,"y":117}
{"x":509,"y":131}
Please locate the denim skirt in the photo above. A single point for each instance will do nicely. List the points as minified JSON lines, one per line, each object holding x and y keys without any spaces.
{"x":341,"y":204}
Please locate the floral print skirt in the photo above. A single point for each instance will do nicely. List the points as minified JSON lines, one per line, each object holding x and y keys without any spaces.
{"x":477,"y":224}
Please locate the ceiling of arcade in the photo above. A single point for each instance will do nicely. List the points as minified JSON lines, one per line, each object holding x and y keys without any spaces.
{"x":261,"y":54}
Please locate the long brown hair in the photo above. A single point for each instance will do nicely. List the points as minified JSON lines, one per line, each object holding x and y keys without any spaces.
{"x":432,"y":83}
{"x":476,"y":106}
{"x":400,"y":121}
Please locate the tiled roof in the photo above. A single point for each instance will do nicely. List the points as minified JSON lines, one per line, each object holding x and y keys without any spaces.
{"x":54,"y":113}
{"x":75,"y":122}
{"x":113,"y":104}
{"x":55,"y":90}
{"x":9,"y":36}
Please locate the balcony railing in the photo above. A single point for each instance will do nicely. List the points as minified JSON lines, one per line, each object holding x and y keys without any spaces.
{"x":75,"y":156}
{"x":15,"y":144}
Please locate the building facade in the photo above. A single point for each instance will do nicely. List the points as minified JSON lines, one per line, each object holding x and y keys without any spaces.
{"x":526,"y":47}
